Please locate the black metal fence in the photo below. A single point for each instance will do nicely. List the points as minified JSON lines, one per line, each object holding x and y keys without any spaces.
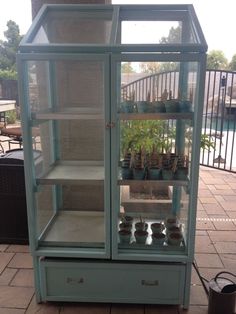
{"x":219,"y":111}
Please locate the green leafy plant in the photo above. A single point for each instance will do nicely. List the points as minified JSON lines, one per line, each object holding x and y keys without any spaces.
{"x":146,"y":135}
{"x":206,"y":142}
{"x":11,"y":116}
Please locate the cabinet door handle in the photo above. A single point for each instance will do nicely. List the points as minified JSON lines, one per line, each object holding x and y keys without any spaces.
{"x":110,"y":125}
{"x":149,"y":282}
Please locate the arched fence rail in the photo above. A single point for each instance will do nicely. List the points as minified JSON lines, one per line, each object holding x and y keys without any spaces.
{"x":219,"y":110}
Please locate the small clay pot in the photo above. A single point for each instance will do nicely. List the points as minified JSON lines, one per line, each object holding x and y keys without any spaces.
{"x":141,"y":226}
{"x":141,"y":236}
{"x":139,"y":174}
{"x":143,"y":106}
{"x":154,"y":173}
{"x":171,"y":221}
{"x":158,"y":238}
{"x":125,"y":226}
{"x":175,"y":238}
{"x":185,"y":106}
{"x":127,"y":106}
{"x":126,"y":173}
{"x":175,"y":229}
{"x":124,"y":236}
{"x":181,"y":173}
{"x":172,"y":105}
{"x":157,"y":227}
{"x":128,"y":219}
{"x":159,"y":106}
{"x":167,"y":174}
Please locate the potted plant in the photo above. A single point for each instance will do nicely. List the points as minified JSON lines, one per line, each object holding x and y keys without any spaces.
{"x":158,"y":238}
{"x":141,"y":236}
{"x":125,"y":236}
{"x":182,"y":168}
{"x":157,"y":227}
{"x":169,"y":167}
{"x":175,"y":238}
{"x":141,"y":225}
{"x":141,"y":233}
{"x":128,"y":105}
{"x":154,"y":166}
{"x":171,"y":105}
{"x":139,"y":170}
{"x":126,"y":171}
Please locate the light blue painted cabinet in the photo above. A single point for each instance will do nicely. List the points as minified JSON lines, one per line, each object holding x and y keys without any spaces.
{"x":112,"y":99}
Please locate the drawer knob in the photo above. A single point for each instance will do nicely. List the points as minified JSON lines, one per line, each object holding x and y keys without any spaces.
{"x":150,"y":282}
{"x":71,"y":280}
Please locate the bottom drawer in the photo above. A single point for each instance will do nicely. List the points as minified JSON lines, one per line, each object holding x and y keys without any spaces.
{"x":112,"y":282}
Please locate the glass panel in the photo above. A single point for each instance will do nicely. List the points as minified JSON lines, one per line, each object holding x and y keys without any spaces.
{"x":155,"y":106}
{"x":67,"y":103}
{"x":155,"y":32}
{"x":75,"y":27}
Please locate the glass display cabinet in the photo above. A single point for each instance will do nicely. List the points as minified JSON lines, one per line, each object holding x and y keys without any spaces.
{"x":112,"y":101}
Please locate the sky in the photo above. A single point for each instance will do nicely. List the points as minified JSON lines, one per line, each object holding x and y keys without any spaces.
{"x":217,"y":19}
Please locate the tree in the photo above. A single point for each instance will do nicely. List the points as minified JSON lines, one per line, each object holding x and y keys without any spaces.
{"x":150,"y":67}
{"x":216,"y":60}
{"x":126,"y":67}
{"x":232,"y":64}
{"x":173,"y":37}
{"x":9,"y":47}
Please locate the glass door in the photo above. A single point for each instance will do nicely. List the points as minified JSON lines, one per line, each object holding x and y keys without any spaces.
{"x":153,"y":170}
{"x":68,"y":100}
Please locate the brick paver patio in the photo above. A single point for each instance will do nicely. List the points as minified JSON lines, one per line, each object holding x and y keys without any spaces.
{"x":215,"y":251}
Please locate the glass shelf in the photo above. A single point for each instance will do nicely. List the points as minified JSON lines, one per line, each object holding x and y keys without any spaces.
{"x":66,"y":113}
{"x":83,"y":228}
{"x":153,"y":182}
{"x":73,"y":172}
{"x":156,"y":116}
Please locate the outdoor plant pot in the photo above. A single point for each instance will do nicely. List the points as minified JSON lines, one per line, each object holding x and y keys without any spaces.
{"x":157,"y":227}
{"x":173,"y":229}
{"x":126,"y":173}
{"x":143,"y":106}
{"x":124,"y":236}
{"x":141,"y":226}
{"x":127,"y":226}
{"x":158,"y":238}
{"x":167,"y":174}
{"x":175,"y":238}
{"x":128,"y":219}
{"x":127,"y":106}
{"x":159,"y":106}
{"x":139,"y":174}
{"x":171,"y":221}
{"x":141,"y":236}
{"x":154,"y":173}
{"x":171,"y":106}
{"x":181,"y":173}
{"x":185,"y":106}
